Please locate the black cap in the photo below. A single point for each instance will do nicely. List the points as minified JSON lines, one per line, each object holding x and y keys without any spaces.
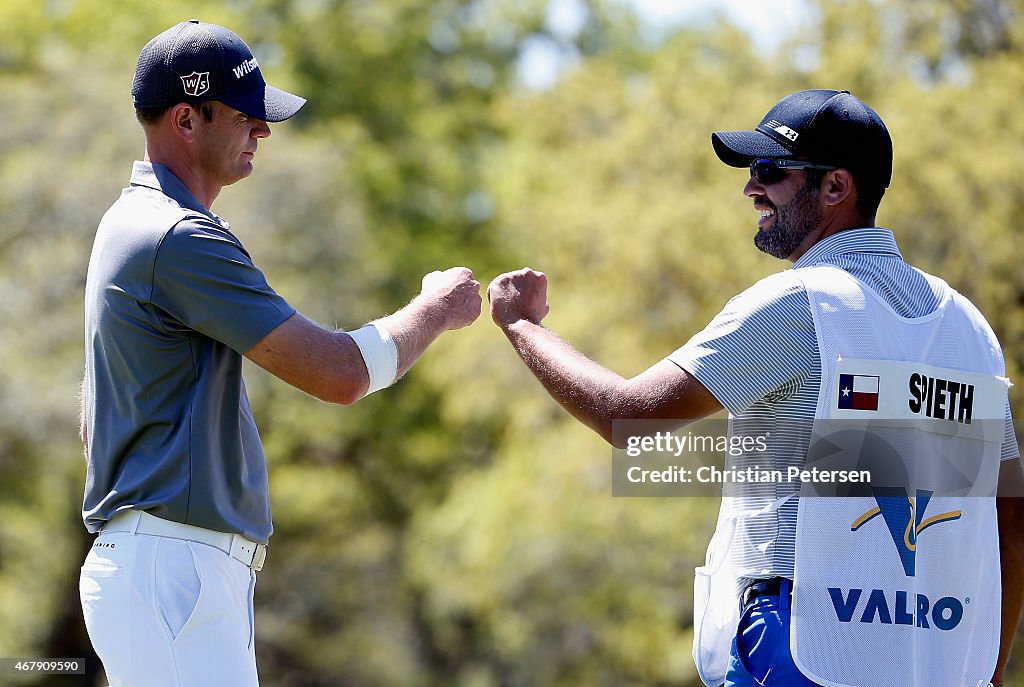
{"x":822,"y":126}
{"x":195,"y":62}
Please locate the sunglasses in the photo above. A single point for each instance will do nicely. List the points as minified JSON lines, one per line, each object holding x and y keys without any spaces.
{"x":768,"y":170}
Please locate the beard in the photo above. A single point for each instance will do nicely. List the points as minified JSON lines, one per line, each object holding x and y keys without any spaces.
{"x":791,"y":224}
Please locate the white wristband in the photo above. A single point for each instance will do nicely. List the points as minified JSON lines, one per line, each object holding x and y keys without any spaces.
{"x":380,"y":354}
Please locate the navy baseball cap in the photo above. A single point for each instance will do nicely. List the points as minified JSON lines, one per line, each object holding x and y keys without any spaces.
{"x":822,"y":126}
{"x":196,"y":62}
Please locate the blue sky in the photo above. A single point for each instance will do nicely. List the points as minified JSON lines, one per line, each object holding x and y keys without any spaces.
{"x":767,"y":23}
{"x":762,"y":19}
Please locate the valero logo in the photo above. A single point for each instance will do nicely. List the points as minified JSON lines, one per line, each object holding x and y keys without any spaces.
{"x":904,"y":517}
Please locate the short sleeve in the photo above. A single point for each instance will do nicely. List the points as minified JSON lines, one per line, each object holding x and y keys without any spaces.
{"x":761,"y":343}
{"x":206,"y":281}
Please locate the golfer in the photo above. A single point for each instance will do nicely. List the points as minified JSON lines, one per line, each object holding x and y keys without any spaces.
{"x":176,"y":483}
{"x":904,"y":587}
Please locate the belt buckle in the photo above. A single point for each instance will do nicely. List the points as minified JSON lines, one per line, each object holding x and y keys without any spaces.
{"x":758,"y":588}
{"x":745,"y":597}
{"x":259,"y":557}
{"x":249,"y":553}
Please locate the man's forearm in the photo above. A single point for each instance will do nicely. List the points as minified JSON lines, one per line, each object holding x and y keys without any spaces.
{"x":413,"y":329}
{"x":592,"y":394}
{"x":448,"y":300}
{"x":588,"y":391}
{"x":332,"y":366}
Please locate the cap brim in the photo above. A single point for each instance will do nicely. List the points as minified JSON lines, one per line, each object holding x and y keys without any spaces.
{"x":268,"y":103}
{"x":740,"y":148}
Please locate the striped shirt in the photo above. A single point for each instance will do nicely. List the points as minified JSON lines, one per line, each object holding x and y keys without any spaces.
{"x":759,"y":358}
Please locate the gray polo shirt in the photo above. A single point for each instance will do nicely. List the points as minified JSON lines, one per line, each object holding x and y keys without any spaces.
{"x":172,"y":301}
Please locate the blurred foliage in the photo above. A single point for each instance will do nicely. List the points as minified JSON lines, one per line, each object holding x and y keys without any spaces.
{"x":458,"y":529}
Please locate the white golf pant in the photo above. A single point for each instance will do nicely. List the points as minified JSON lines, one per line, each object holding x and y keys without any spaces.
{"x":165,"y":612}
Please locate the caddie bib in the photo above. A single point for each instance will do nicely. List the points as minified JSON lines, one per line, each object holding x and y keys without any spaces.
{"x":897,"y":578}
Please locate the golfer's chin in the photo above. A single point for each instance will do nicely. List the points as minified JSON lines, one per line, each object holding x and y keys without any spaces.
{"x":243,"y":170}
{"x":767,"y":242}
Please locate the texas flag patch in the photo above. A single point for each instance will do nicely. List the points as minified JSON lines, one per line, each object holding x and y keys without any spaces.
{"x":858,"y":392}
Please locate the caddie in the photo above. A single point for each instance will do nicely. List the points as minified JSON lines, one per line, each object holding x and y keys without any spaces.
{"x":176,"y":484}
{"x":913,"y":583}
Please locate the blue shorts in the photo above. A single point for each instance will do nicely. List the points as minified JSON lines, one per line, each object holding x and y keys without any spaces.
{"x":760,"y":651}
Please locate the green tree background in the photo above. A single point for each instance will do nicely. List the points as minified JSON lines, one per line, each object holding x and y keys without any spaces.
{"x":459,"y":529}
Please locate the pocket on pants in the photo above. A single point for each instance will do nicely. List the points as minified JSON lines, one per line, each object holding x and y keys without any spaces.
{"x":177,"y":586}
{"x":762,"y":639}
{"x":100,"y":562}
{"x":100,"y":584}
{"x":103,"y":587}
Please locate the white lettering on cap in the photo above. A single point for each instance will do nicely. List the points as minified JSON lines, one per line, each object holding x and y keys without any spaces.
{"x":245,"y":68}
{"x":782,"y":129}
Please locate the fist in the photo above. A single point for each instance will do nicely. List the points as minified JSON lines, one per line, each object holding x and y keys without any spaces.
{"x":521,"y":295}
{"x":456,"y":293}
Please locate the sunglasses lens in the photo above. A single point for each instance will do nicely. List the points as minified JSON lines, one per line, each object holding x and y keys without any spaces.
{"x":766,"y":171}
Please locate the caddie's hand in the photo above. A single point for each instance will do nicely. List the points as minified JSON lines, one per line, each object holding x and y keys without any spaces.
{"x":457,"y":293}
{"x":520,"y":295}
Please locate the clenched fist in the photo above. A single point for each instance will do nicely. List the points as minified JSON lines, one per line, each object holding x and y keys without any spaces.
{"x":456,"y":293}
{"x":520,"y":295}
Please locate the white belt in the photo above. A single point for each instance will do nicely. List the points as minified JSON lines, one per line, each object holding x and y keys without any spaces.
{"x":238,"y":547}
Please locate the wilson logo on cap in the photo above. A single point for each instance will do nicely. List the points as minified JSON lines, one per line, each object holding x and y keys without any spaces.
{"x":201,"y":55}
{"x":246,"y":67}
{"x":196,"y":83}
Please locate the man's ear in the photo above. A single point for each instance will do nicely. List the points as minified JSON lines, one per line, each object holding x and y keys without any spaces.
{"x":837,"y":186}
{"x":183,"y":118}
